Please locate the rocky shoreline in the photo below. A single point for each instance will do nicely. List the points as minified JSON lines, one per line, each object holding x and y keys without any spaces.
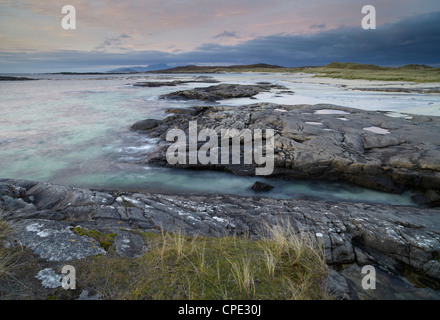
{"x":398,"y":241}
{"x":326,"y":142}
{"x":222,"y":91}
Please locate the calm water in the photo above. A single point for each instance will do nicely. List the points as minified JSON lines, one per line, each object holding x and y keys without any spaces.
{"x":74,"y":130}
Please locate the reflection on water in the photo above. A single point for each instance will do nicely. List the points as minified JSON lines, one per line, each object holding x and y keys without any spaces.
{"x":76,"y":132}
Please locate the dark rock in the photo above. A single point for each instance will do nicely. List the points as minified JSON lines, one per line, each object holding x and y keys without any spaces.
{"x":12,"y":191}
{"x":337,"y":285}
{"x":388,"y":286}
{"x":182,"y":111}
{"x":220,"y":92}
{"x":129,"y":244}
{"x":433,"y":197}
{"x":54,"y":241}
{"x":261,"y":186}
{"x":147,"y":124}
{"x":329,"y":142}
{"x":154,"y":84}
{"x":9,"y":78}
{"x":430,"y":198}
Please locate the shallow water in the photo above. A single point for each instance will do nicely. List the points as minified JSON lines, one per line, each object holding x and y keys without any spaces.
{"x":74,"y":130}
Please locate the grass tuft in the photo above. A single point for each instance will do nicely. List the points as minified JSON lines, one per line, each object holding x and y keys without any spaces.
{"x":281,"y":265}
{"x":105,"y":240}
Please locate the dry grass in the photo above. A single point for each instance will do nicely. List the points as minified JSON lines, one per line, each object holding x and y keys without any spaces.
{"x":8,"y":256}
{"x":383,"y":74}
{"x":282,"y":265}
{"x":410,"y":73}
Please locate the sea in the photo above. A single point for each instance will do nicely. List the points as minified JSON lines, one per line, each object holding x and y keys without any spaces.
{"x":74,"y":130}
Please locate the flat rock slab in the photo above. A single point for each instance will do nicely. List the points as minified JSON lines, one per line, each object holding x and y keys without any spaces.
{"x":222,"y":91}
{"x":325,"y":142}
{"x":129,"y":244}
{"x":54,"y":241}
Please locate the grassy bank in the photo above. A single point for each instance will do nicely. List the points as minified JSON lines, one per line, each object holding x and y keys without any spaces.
{"x":7,"y":255}
{"x":281,"y":265}
{"x":409,"y":73}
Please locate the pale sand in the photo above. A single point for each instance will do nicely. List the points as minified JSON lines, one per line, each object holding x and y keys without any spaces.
{"x":320,"y":90}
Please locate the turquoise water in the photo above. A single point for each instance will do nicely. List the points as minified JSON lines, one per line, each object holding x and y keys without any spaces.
{"x":76,"y":132}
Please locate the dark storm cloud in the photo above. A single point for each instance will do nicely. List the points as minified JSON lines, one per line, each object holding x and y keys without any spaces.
{"x":411,"y":40}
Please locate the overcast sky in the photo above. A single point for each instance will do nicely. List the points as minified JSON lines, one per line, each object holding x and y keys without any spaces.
{"x":111,"y":34}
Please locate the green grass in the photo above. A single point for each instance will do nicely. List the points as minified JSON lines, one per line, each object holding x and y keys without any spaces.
{"x":409,"y":73}
{"x":105,"y":240}
{"x":4,"y":254}
{"x":260,"y":67}
{"x":279,"y":266}
{"x":8,"y":256}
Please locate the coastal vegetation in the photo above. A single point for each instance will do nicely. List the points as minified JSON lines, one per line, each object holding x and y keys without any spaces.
{"x":410,"y":73}
{"x":280,"y":265}
{"x":6,"y":255}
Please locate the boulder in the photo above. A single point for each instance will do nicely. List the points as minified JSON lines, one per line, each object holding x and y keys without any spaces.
{"x":146,"y":124}
{"x":327,"y":142}
{"x":261,"y":186}
{"x":221,"y":91}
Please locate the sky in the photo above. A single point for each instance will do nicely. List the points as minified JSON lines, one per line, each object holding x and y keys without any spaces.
{"x":290,"y":33}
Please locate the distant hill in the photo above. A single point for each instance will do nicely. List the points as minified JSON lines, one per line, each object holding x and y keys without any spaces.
{"x":153,"y":67}
{"x":123,"y":70}
{"x":215,"y":69}
{"x":416,"y":67}
{"x":411,"y":72}
{"x":353,"y":66}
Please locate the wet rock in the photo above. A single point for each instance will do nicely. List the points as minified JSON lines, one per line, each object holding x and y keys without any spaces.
{"x":388,"y":286}
{"x":182,"y":111}
{"x":155,"y":84}
{"x":7,"y":189}
{"x":221,"y":91}
{"x":262,"y":186}
{"x":9,"y":78}
{"x":327,"y":142}
{"x":430,"y":198}
{"x":146,"y":124}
